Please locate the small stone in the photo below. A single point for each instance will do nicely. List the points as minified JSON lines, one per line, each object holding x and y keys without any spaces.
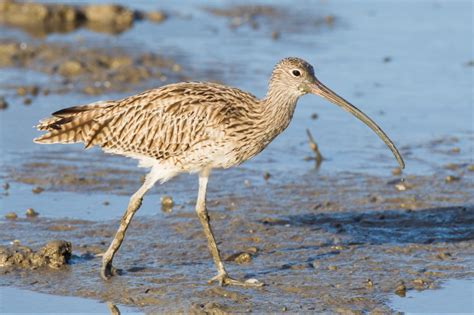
{"x":106,"y":203}
{"x":470,"y":168}
{"x":247,"y":183}
{"x":329,"y":19}
{"x":31,"y":213}
{"x":275,"y":35}
{"x":451,"y":166}
{"x":6,"y":186}
{"x":369,"y":283}
{"x":444,"y":256}
{"x":11,"y":216}
{"x":3,"y":103}
{"x":401,"y":289}
{"x":37,"y":190}
{"x":387,"y":59}
{"x":70,"y":68}
{"x":156,"y":16}
{"x":401,"y":186}
{"x":332,"y":268}
{"x":451,"y":178}
{"x":240,"y":258}
{"x":21,"y":91}
{"x":419,"y":282}
{"x":455,"y":150}
{"x":266,"y":176}
{"x":176,"y":68}
{"x":284,"y":309}
{"x":167,"y":203}
{"x":396,"y":171}
{"x":314,"y":116}
{"x":27,"y":101}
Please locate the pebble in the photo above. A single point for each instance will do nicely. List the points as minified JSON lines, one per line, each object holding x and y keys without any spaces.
{"x":451,"y":178}
{"x":27,"y":101}
{"x":329,"y":19}
{"x":156,"y":16}
{"x":314,"y":116}
{"x":37,"y":190}
{"x":240,"y":258}
{"x":456,"y":150}
{"x":396,"y":171}
{"x":6,"y":186}
{"x":401,"y":289}
{"x":31,"y":213}
{"x":167,"y":203}
{"x":419,"y":282}
{"x":266,"y":176}
{"x":275,"y":35}
{"x":3,"y":103}
{"x":333,"y":268}
{"x":470,"y":168}
{"x":11,"y":216}
{"x":451,"y":166}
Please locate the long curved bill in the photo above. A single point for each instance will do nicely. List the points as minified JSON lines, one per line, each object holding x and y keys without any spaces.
{"x":320,"y":89}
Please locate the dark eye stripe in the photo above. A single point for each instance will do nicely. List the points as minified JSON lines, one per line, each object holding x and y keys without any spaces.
{"x":296,"y":73}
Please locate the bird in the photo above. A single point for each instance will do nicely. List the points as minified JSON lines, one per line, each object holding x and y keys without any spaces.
{"x":192,"y":127}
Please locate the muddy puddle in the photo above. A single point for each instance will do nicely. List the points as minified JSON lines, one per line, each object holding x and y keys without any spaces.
{"x":344,"y":238}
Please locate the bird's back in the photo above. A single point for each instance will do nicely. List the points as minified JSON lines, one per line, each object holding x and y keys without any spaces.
{"x":185,"y":123}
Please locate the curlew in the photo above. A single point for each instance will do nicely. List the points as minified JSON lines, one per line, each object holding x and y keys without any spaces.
{"x":192,"y":127}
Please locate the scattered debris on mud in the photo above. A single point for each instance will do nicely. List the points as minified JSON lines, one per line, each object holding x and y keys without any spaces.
{"x":319,"y":241}
{"x":54,"y":254}
{"x":273,"y":17}
{"x":87,"y":70}
{"x":40,"y":19}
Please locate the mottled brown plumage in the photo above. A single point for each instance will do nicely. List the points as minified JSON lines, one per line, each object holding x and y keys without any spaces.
{"x":191,"y":127}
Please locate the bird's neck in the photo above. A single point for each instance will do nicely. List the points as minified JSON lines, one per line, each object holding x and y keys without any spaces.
{"x":278,"y":107}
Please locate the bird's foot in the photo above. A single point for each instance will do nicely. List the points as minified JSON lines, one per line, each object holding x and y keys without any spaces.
{"x":223,"y":279}
{"x":107,"y":271}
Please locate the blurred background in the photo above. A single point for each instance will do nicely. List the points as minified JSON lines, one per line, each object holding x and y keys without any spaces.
{"x":407,"y":64}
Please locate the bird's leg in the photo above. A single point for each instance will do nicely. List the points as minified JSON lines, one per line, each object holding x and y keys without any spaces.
{"x":107,"y":270}
{"x":222,"y":277}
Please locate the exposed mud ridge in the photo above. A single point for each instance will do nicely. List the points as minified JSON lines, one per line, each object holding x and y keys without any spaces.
{"x":54,"y":255}
{"x":90,"y":70}
{"x":40,"y":19}
{"x":340,"y":243}
{"x":274,"y":17}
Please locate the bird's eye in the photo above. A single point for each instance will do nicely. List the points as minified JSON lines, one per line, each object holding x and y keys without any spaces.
{"x":296,"y":73}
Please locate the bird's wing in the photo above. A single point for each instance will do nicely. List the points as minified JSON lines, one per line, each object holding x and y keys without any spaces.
{"x":158,"y":123}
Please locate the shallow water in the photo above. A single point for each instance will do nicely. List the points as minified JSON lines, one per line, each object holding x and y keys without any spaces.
{"x":454,"y":297}
{"x":14,"y":301}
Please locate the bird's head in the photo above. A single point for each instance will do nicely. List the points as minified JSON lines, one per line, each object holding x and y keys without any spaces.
{"x":296,"y":77}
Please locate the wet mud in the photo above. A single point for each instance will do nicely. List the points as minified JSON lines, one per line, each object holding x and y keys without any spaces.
{"x":342,"y":243}
{"x":91,"y":70}
{"x":55,"y":254}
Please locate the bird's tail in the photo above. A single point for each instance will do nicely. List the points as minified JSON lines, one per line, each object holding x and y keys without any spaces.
{"x":74,"y":124}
